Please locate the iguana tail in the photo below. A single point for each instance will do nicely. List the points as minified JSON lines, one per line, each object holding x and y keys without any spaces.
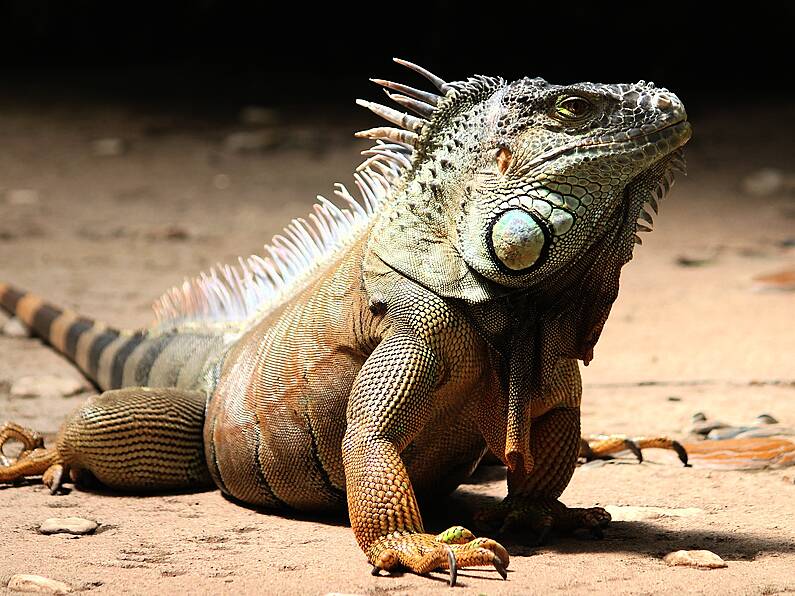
{"x":145,"y":436}
{"x":98,"y":350}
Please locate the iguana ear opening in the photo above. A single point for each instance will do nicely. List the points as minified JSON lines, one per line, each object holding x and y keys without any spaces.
{"x":503,"y":159}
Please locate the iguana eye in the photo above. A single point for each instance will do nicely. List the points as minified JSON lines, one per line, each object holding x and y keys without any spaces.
{"x":503,"y":159}
{"x":572,"y":108}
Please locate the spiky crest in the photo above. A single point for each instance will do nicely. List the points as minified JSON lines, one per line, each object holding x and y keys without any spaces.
{"x":676,"y":165}
{"x":259,"y":283}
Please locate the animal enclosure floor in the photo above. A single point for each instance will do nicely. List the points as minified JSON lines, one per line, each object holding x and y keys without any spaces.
{"x":105,"y":228}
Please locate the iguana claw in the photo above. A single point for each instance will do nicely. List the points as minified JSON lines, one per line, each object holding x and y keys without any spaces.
{"x":453,"y":549}
{"x":451,"y":561}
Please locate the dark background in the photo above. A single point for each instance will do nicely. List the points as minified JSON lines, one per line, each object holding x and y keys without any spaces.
{"x":214,"y":52}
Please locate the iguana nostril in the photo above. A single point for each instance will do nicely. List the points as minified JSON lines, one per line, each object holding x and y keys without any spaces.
{"x":517,"y":239}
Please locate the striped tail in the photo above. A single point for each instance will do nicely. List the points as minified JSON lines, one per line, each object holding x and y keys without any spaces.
{"x":99,"y":351}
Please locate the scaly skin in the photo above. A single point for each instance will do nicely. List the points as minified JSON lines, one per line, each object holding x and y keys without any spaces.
{"x":447,"y":325}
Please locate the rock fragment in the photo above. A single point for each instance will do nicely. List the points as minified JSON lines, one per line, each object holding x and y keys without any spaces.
{"x":15,"y":328}
{"x":22,"y":196}
{"x":700,"y":559}
{"x":764,"y":183}
{"x":68,"y":525}
{"x":23,"y":582}
{"x":110,"y":147}
{"x":251,"y":141}
{"x":172,"y":232}
{"x":221,"y":181}
{"x":47,"y":386}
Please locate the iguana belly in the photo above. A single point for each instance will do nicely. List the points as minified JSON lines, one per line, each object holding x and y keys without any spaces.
{"x":279,"y":456}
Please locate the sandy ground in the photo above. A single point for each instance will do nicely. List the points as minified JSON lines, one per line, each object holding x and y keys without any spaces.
{"x":105,"y":235}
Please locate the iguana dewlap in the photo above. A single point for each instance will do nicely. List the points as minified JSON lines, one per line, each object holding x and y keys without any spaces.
{"x":379,"y":348}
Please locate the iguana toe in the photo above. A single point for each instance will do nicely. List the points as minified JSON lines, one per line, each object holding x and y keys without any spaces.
{"x":33,"y":460}
{"x":53,"y":478}
{"x":30,"y":439}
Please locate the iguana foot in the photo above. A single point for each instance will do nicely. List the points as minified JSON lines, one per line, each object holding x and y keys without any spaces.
{"x":604,"y":446}
{"x":542,"y":516}
{"x":33,"y":460}
{"x":454,"y":548}
{"x":30,"y":439}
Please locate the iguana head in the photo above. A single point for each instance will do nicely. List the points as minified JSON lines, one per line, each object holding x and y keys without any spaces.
{"x":552,"y":170}
{"x":515,"y":182}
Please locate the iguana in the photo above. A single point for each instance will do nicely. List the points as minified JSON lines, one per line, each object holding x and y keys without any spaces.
{"x":378,"y":349}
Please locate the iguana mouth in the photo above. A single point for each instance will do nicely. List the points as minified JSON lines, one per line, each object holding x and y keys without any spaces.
{"x":680,"y":130}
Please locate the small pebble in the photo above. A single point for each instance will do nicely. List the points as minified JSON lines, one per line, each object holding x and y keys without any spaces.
{"x":15,"y":328}
{"x":701,"y":559}
{"x":765,"y":419}
{"x":221,"y":181}
{"x":763,"y":183}
{"x":703,"y":425}
{"x":250,"y":141}
{"x":36,"y":583}
{"x":47,"y":385}
{"x":22,"y":196}
{"x":175,"y":232}
{"x":68,"y":525}
{"x":696,"y":260}
{"x":110,"y":147}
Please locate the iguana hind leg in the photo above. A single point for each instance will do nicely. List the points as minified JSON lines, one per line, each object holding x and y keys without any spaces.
{"x":134,"y":439}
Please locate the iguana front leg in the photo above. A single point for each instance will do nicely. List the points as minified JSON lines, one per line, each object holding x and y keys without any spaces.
{"x":532,"y":502}
{"x":390,"y":403}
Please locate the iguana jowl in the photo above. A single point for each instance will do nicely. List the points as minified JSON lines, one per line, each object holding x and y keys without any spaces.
{"x":375,"y":352}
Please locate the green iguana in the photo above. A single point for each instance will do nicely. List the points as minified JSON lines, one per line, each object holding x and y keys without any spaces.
{"x":377,"y":350}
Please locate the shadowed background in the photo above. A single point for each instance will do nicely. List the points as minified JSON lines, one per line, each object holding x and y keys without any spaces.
{"x":164,"y":137}
{"x":217,"y":52}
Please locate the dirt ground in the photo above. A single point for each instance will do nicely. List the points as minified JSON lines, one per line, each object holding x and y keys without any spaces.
{"x":690,"y":332}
